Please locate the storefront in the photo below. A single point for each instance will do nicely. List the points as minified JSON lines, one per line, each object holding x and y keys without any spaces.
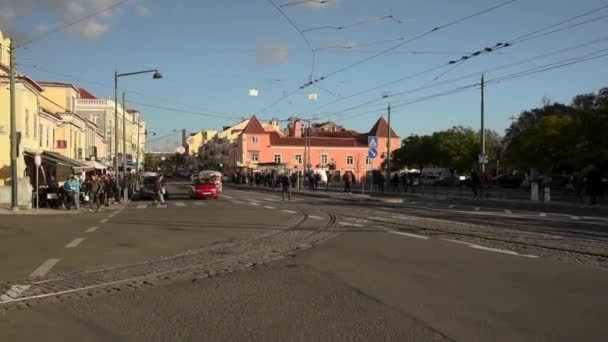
{"x":53,"y":165}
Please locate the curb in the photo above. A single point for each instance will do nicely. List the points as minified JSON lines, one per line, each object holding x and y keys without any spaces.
{"x":321,"y":194}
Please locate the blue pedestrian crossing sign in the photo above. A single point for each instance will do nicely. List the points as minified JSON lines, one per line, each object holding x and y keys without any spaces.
{"x":372,"y":141}
{"x":372,"y":153}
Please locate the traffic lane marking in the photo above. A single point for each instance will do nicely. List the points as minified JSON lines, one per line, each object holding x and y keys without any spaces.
{"x":490,"y":249}
{"x":104,"y":220}
{"x":92,"y":229}
{"x":74,"y":243}
{"x":315,"y":217}
{"x":416,"y":236}
{"x":289,"y":211}
{"x":180,"y":204}
{"x":43,"y":269}
{"x":268,"y":207}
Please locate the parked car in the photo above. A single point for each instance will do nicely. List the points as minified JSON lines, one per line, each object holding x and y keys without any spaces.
{"x":508,"y":181}
{"x":146,"y":189}
{"x":204,"y":188}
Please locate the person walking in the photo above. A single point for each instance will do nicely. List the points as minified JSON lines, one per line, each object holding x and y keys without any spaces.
{"x":285,"y":187}
{"x":158,"y":191}
{"x":348,"y":180}
{"x":95,"y":193}
{"x":69,"y":194}
{"x":75,"y":185}
{"x":395,"y":182}
{"x":293,"y":179}
{"x":594,"y":184}
{"x":475,"y":182}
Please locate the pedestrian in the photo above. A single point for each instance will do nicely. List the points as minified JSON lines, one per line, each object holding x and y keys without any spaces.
{"x":404,"y":181}
{"x":348,"y":180}
{"x":95,"y":193}
{"x":285,"y":187}
{"x":317,"y":180}
{"x":311,"y":181}
{"x":158,"y":191}
{"x":594,"y":184}
{"x":475,"y":182}
{"x":293,"y":179}
{"x":330,"y":177}
{"x":75,"y":186}
{"x":381,"y":181}
{"x":68,"y":194}
{"x":395,"y":182}
{"x":54,"y":193}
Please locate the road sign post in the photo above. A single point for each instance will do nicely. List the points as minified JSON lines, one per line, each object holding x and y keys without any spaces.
{"x":372,"y":153}
{"x":37,"y":163}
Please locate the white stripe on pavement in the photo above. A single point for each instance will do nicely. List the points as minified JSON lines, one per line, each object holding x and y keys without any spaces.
{"x":451,"y":206}
{"x":315,"y":217}
{"x":508,"y":212}
{"x":477,"y":208}
{"x":74,"y":243}
{"x":92,"y":229}
{"x":254,"y":204}
{"x":198,"y":203}
{"x":142,"y":206}
{"x":503,"y":251}
{"x":542,"y":215}
{"x":180,"y":204}
{"x":576,"y":218}
{"x":268,"y":207}
{"x":229,"y":197}
{"x":43,"y":269}
{"x":416,"y":236}
{"x":104,"y":220}
{"x":13,"y":293}
{"x":288,"y":211}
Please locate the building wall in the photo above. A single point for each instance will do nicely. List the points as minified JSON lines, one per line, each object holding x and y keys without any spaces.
{"x":46,"y":133}
{"x":100,"y":143}
{"x":229,"y":135}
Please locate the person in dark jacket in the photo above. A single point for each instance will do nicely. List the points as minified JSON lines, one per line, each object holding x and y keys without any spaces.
{"x":594,"y":184}
{"x":475,"y":182}
{"x":395,"y":182}
{"x":285,"y":187}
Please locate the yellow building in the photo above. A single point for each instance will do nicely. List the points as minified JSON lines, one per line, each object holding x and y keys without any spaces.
{"x":230,"y":133}
{"x":198,"y":139}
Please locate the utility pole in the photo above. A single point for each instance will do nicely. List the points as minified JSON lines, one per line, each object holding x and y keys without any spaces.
{"x":14,"y":151}
{"x":483,"y":129}
{"x":116,"y":123}
{"x":125,"y":191}
{"x":388,"y":149}
{"x":138,"y":148}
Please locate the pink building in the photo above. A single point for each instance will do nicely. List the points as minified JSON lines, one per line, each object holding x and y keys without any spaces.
{"x":329,"y":144}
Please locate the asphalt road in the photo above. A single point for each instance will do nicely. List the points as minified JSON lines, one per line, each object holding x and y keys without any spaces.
{"x":252,"y":267}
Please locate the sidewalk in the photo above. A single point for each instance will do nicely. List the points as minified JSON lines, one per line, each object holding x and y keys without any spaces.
{"x":6,"y":210}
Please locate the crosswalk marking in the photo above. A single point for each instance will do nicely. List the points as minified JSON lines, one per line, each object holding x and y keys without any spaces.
{"x":198,"y":204}
{"x":477,"y":209}
{"x":416,"y":236}
{"x":542,"y":215}
{"x":180,"y":204}
{"x":508,"y":212}
{"x":315,"y":217}
{"x":288,"y":211}
{"x":451,"y":206}
{"x":254,"y":204}
{"x":142,"y":206}
{"x":229,"y":197}
{"x":268,"y":207}
{"x":576,"y":218}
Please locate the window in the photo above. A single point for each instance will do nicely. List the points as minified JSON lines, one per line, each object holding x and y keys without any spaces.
{"x":324,"y":158}
{"x":298,"y":158}
{"x":369,"y":161}
{"x":35,"y":126}
{"x":255,"y":156}
{"x":350,"y":160}
{"x":40,"y":135}
{"x":255,"y":139}
{"x":95,"y":119}
{"x":277,"y":158}
{"x":27,"y":123}
{"x":47,"y":136}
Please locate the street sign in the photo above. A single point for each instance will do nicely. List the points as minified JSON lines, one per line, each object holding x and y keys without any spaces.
{"x":372,"y":141}
{"x":372,"y":153}
{"x":482,"y":158}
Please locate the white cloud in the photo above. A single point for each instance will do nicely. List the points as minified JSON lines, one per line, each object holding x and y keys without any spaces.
{"x":66,"y":12}
{"x":42,"y":28}
{"x":268,"y":52}
{"x":142,"y":11}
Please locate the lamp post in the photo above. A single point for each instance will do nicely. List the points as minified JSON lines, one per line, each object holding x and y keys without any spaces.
{"x":157,"y":75}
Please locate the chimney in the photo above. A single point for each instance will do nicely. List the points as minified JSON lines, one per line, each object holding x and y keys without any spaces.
{"x":296,"y":129}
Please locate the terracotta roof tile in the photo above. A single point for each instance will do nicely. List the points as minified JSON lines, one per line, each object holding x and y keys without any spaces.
{"x":380,"y":129}
{"x":254,"y":127}
{"x":86,"y":95}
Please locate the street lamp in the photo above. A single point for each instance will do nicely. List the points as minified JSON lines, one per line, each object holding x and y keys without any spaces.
{"x":157,"y":75}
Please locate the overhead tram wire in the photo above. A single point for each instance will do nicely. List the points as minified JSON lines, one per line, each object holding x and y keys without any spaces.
{"x":106,"y":85}
{"x":420,"y":36}
{"x":520,"y":39}
{"x":476,"y":74}
{"x":72,"y":23}
{"x":532,"y":71}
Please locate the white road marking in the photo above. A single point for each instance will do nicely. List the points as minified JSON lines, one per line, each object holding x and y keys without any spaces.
{"x":43,"y":269}
{"x":288,"y":211}
{"x":142,"y":206}
{"x":229,"y":197}
{"x":180,"y":204}
{"x":315,"y":217}
{"x":350,"y":224}
{"x":354,"y":219}
{"x":74,"y":243}
{"x":542,"y":215}
{"x":324,"y":199}
{"x":451,"y":206}
{"x":490,"y":249}
{"x":576,"y":218}
{"x":237,"y":202}
{"x":477,"y":208}
{"x":104,"y":220}
{"x":13,"y":293}
{"x":92,"y":229}
{"x":254,"y":204}
{"x":199,"y":204}
{"x":504,"y":251}
{"x":268,"y":207}
{"x":508,"y":212}
{"x":416,"y":236}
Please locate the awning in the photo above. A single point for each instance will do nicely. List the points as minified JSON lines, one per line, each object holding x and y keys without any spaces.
{"x":56,"y":158}
{"x":94,"y":164}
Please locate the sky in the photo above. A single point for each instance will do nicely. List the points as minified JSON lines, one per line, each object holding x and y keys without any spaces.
{"x":212,"y":52}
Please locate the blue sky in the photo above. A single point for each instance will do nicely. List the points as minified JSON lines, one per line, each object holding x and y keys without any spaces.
{"x":212,"y":52}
